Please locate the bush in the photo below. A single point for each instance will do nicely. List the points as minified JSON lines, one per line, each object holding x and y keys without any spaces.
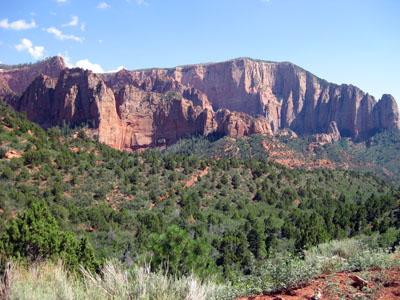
{"x":2,"y":152}
{"x":35,"y":236}
{"x":356,"y":254}
{"x":181,"y":253}
{"x":8,"y":173}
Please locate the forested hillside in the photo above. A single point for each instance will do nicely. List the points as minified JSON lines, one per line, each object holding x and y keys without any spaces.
{"x":379,"y":154}
{"x":215,"y":216}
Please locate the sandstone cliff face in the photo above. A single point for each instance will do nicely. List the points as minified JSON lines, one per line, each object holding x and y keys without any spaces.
{"x":385,"y":114}
{"x":16,"y":80}
{"x":37,"y":100}
{"x":154,"y":108}
{"x":333,"y":135}
{"x":131,"y":118}
{"x":241,"y":124}
{"x":150,"y":119}
{"x":286,"y":95}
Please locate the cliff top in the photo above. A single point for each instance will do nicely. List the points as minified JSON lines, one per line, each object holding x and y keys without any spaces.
{"x":51,"y":61}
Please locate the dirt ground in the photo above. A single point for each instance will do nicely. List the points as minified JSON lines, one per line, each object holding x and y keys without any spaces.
{"x":379,"y":285}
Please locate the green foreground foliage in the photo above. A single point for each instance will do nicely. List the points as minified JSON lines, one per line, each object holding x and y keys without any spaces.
{"x":35,"y":236}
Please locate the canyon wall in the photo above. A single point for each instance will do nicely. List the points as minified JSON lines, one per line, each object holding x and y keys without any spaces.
{"x":286,"y":95}
{"x":156,"y":107}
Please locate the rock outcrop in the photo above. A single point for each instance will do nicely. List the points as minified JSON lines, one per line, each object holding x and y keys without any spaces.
{"x":130,"y":118}
{"x":332,"y":135}
{"x":241,"y":124}
{"x":37,"y":101}
{"x":15,"y":80}
{"x":154,"y":108}
{"x":287,"y":96}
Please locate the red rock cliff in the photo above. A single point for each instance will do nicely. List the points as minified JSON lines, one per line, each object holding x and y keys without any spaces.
{"x":14,"y":80}
{"x":286,"y":95}
{"x":141,"y":109}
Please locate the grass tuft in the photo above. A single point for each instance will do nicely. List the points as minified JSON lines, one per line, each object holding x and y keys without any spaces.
{"x":47,"y":280}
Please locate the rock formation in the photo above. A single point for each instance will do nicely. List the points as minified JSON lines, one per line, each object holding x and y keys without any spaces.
{"x":14,"y":81}
{"x":286,"y":95}
{"x":151,"y":108}
{"x":333,"y":135}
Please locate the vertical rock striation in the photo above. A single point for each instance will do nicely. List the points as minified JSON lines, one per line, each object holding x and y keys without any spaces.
{"x":151,"y":108}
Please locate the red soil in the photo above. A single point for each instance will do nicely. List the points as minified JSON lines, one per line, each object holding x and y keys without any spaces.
{"x":162,"y":198}
{"x":382,"y":285}
{"x":189,"y":183}
{"x":193,"y":180}
{"x":10,"y":154}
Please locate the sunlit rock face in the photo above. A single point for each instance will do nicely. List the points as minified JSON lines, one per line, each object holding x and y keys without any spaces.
{"x":153,"y":108}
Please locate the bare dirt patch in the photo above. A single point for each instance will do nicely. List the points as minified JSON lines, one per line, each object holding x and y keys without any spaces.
{"x":380,"y":285}
{"x":11,"y":154}
{"x":193,"y":180}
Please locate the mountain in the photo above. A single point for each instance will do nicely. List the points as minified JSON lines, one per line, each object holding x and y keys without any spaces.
{"x":157,"y":107}
{"x":15,"y":79}
{"x":247,"y":221}
{"x":223,"y":216}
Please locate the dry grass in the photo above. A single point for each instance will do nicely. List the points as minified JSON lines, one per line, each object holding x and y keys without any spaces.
{"x":355,"y":254}
{"x":49,"y":280}
{"x":41,"y":281}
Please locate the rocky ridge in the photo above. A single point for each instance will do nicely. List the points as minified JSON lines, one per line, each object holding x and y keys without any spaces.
{"x":153,"y":108}
{"x":14,"y":80}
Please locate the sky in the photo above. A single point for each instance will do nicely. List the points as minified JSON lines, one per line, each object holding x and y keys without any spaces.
{"x":343,"y":41}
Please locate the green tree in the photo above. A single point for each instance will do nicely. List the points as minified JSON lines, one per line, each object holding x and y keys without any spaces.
{"x":181,"y":253}
{"x":236,"y":181}
{"x":35,"y":236}
{"x":259,"y":196}
{"x":256,"y":239}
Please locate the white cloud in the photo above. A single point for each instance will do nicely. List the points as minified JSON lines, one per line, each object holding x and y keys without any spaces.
{"x":73,"y":22}
{"x":142,"y":2}
{"x":103,"y":5}
{"x":83,"y":25}
{"x":62,"y":1}
{"x":59,"y":35}
{"x":35,"y":51}
{"x":32,"y":13}
{"x":86,"y":64}
{"x":17,"y":25}
{"x":118,"y":69}
{"x":266,"y":1}
{"x":25,"y":44}
{"x":100,"y":41}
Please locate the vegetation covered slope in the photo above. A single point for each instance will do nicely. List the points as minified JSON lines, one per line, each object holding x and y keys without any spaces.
{"x":214,"y":216}
{"x":379,"y":154}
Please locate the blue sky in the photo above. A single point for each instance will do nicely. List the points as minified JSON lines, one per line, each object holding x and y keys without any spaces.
{"x":342,"y":41}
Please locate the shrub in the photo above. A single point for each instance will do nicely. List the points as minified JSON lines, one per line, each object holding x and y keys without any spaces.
{"x":35,"y":236}
{"x":354,"y":254}
{"x":181,"y":253}
{"x":2,"y":152}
